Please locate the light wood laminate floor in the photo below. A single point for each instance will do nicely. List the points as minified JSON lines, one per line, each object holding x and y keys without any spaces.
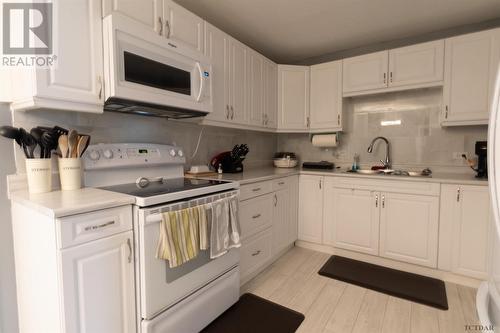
{"x":333,"y":306}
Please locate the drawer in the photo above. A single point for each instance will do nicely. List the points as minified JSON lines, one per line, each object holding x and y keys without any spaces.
{"x":254,"y":190}
{"x":255,"y":253}
{"x":281,"y":183}
{"x":256,"y":215}
{"x":82,"y":228}
{"x":395,"y":184}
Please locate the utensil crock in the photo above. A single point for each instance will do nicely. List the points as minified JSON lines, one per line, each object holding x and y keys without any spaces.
{"x":39,"y":174}
{"x":70,"y":173}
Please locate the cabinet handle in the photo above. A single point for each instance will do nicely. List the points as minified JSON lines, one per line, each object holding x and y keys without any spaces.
{"x":257,"y":189}
{"x":376,"y":200}
{"x":99,"y":226}
{"x":446,"y":112}
{"x":227,"y":111}
{"x":129,"y":250}
{"x":232,"y":112}
{"x":458,"y":194}
{"x":275,"y":200}
{"x":256,"y":253}
{"x":281,"y":183}
{"x":167,"y":26}
{"x":256,"y":216}
{"x":383,"y":201}
{"x":390,"y":75}
{"x":385,"y":76}
{"x":338,"y":119}
{"x":308,"y":122}
{"x":160,"y":21}
{"x":320,"y":185}
{"x":99,"y":80}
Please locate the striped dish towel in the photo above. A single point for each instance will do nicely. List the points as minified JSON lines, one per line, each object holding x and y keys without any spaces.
{"x":179,"y":236}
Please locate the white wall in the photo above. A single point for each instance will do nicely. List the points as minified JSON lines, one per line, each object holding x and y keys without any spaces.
{"x":8,"y":304}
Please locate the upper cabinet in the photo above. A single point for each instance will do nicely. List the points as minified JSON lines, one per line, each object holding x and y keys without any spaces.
{"x":415,"y":66}
{"x":270,"y":94}
{"x":470,"y":69}
{"x":293,"y":98}
{"x":326,"y":96}
{"x":256,"y":88}
{"x":76,"y":82}
{"x":366,"y":72}
{"x":147,"y":12}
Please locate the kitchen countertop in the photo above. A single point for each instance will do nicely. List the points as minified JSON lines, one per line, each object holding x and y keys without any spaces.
{"x":65,"y":203}
{"x":268,"y":173}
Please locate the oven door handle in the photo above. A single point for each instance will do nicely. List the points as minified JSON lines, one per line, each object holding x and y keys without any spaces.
{"x":200,"y":71}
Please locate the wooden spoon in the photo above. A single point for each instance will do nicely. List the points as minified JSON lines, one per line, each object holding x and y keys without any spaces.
{"x":72,"y":143}
{"x":63,"y":145}
{"x":83,"y":143}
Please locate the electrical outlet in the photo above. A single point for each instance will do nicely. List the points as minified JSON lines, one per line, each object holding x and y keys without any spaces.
{"x":458,"y":155}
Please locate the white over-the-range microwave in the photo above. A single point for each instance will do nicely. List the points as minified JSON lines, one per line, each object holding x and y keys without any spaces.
{"x":146,"y":74}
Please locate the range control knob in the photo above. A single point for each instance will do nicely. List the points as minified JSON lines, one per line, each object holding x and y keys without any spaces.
{"x":94,"y":155}
{"x":172,"y":152}
{"x":180,"y":153}
{"x":108,"y":153}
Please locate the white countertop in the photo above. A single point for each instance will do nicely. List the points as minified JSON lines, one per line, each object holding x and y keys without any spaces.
{"x":267,"y":173}
{"x":64,"y":203}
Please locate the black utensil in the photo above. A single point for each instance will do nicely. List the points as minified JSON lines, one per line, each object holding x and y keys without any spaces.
{"x":11,"y":133}
{"x":37,"y":134}
{"x":29,"y":143}
{"x":50,"y":141}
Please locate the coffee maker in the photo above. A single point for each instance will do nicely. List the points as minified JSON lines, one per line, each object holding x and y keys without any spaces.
{"x":482,"y":159}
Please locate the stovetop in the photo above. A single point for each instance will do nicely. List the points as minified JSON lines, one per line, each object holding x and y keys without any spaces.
{"x":162,"y":187}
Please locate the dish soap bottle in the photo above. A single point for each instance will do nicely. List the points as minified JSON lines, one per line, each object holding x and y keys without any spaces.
{"x":355,"y":163}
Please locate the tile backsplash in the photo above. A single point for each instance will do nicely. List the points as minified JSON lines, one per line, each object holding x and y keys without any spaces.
{"x":121,"y":128}
{"x":417,"y":140}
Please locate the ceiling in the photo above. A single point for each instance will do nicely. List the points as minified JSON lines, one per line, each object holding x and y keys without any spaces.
{"x":290,"y":31}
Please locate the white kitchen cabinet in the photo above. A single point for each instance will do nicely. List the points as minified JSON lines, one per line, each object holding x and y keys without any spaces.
{"x":270,"y":94}
{"x":409,"y":228}
{"x":365,"y":72}
{"x":147,"y":12}
{"x":98,"y":279}
{"x":281,"y":218}
{"x":326,"y":96}
{"x":256,"y":88}
{"x":417,"y":64}
{"x":238,"y":81}
{"x":76,"y":83}
{"x":293,"y":209}
{"x":465,"y":230}
{"x":351,"y":218}
{"x":217,"y":50}
{"x":293,"y":98}
{"x":311,"y":208}
{"x":471,"y":65}
{"x":181,"y":27}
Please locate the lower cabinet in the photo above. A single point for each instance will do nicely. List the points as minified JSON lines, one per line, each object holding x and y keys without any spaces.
{"x":98,"y":283}
{"x":311,"y":208}
{"x":351,"y":219}
{"x":465,"y":230}
{"x":409,"y":228}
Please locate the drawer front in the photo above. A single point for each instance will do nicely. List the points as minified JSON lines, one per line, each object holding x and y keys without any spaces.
{"x":281,"y":183}
{"x":254,"y":190}
{"x":82,"y":228}
{"x":395,"y":185}
{"x":255,"y":253}
{"x":256,"y":215}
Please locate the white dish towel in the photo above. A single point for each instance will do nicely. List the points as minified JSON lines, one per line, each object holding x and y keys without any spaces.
{"x":225,"y":228}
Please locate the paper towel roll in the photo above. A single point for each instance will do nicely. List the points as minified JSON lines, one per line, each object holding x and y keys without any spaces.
{"x":324,"y":140}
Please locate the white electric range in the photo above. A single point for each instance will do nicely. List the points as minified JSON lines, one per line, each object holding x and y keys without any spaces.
{"x":182,"y":299}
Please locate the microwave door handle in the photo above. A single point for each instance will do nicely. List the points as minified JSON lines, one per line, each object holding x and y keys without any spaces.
{"x":201,"y":81}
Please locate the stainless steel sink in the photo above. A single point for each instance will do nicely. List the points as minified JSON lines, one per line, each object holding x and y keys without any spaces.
{"x":390,"y":172}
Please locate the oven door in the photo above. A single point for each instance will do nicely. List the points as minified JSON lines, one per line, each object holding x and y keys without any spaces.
{"x":142,"y":66}
{"x":160,"y":286}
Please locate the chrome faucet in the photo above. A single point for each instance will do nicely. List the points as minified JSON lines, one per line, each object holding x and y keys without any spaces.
{"x":387,"y":162}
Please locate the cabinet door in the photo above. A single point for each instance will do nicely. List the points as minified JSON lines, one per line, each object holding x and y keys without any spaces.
{"x":78,"y":75}
{"x":238,"y":82}
{"x":311,"y":208}
{"x":270,"y":94}
{"x":409,"y":228}
{"x":293,"y":221}
{"x":326,"y":96}
{"x":471,"y":64}
{"x":365,"y":72}
{"x":256,"y":88}
{"x":98,"y":285}
{"x":416,"y":64}
{"x":217,"y":50}
{"x":145,"y":11}
{"x":293,"y":97}
{"x":281,"y":217}
{"x":465,"y":229}
{"x":351,"y":219}
{"x":182,"y":27}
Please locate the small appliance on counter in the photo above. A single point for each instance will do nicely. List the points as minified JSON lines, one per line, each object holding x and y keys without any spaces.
{"x":482,"y":159}
{"x":285,"y":160}
{"x":230,"y":161}
{"x":322,"y":165}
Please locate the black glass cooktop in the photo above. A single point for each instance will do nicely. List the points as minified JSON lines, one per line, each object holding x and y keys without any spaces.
{"x":160,"y":187}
